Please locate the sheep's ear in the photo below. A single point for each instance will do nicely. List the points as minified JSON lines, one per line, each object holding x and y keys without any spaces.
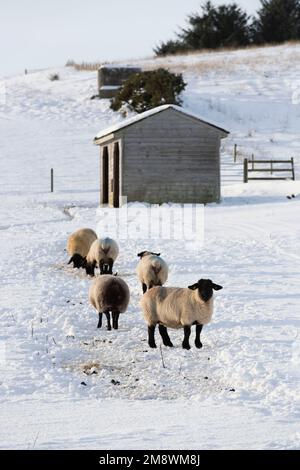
{"x":194,"y":286}
{"x":70,"y":260}
{"x":217,"y":287}
{"x":156,"y":254}
{"x":141,"y":254}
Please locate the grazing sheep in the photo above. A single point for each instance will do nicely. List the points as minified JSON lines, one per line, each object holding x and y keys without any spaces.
{"x":151,"y":270}
{"x":103,"y":253}
{"x":109,"y":294}
{"x":78,"y":245}
{"x":179,"y":308}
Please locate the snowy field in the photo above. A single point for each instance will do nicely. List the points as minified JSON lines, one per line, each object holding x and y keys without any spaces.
{"x":65,"y":384}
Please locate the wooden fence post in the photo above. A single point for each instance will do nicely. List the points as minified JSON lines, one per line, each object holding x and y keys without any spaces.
{"x":245,"y":170}
{"x":235,"y":153}
{"x":52,"y":180}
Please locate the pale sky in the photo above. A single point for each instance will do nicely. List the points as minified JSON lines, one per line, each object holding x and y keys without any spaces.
{"x":44,"y":33}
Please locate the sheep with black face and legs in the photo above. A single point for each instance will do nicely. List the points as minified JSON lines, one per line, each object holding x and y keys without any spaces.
{"x":78,"y":246}
{"x":103,"y":253}
{"x":109,"y":294}
{"x":152,"y":270}
{"x":176,"y":307}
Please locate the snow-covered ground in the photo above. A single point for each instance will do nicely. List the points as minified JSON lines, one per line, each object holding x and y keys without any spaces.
{"x":103,"y":389}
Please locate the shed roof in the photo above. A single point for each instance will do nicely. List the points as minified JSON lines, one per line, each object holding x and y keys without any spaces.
{"x":151,"y":112}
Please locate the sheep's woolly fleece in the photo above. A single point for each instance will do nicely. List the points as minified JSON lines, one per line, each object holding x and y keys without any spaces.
{"x":175,"y":307}
{"x":106,"y":290}
{"x":103,"y":249}
{"x":80,"y":242}
{"x":151,"y":270}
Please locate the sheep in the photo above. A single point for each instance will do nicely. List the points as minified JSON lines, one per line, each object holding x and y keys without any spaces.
{"x":109,"y":294}
{"x":78,"y":245}
{"x":103,"y":253}
{"x":151,"y":270}
{"x":176,"y":307}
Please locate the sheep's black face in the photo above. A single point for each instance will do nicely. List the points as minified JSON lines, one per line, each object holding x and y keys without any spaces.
{"x":77,"y":260}
{"x":205,"y":288}
{"x":145,"y":253}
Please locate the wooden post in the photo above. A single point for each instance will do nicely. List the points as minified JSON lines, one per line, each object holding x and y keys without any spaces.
{"x":245,"y":170}
{"x":235,"y":153}
{"x":52,"y":180}
{"x":271,"y":167}
{"x":293,"y":168}
{"x":252,"y":161}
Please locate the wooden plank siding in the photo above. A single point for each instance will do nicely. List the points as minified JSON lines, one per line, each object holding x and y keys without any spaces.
{"x":171,"y":157}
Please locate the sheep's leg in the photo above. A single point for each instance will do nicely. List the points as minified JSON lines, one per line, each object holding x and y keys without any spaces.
{"x":110,"y":266}
{"x":100,"y":320}
{"x":90,"y":269}
{"x":151,"y":336}
{"x":185,"y":342}
{"x":198,"y":343}
{"x":165,"y":337}
{"x":144,"y":287}
{"x":102,"y":267}
{"x":115,"y":318}
{"x":107,"y":314}
{"x":93,"y":270}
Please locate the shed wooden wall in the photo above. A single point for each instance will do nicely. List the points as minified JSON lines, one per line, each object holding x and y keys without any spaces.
{"x":171,"y":157}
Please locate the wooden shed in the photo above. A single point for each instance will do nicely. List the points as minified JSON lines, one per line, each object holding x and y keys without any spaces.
{"x":112,"y":77}
{"x":163,"y":155}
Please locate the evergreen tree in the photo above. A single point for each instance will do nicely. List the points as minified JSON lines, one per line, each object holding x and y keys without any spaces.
{"x":170,"y":47}
{"x":223,"y":26}
{"x":146,"y":90}
{"x":277,"y":21}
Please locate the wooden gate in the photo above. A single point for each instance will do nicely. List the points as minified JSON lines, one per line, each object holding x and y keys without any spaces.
{"x":250,"y":167}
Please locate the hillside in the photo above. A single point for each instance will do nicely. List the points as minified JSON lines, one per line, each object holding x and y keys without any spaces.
{"x":242,"y":389}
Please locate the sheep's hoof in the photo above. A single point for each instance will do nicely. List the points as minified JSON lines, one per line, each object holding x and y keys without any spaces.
{"x":109,"y":328}
{"x":169,"y":344}
{"x":198,"y":344}
{"x":152,"y":345}
{"x":186,"y":346}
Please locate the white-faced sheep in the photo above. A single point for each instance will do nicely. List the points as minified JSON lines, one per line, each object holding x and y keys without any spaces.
{"x":152,"y":270}
{"x":109,"y":294}
{"x":103,"y":253}
{"x":178,"y":308}
{"x":78,"y":245}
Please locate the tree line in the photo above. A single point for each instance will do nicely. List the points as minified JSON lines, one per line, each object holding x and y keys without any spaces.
{"x":276,"y":21}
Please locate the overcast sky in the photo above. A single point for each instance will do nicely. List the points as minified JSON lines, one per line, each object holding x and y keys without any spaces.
{"x":44,"y":33}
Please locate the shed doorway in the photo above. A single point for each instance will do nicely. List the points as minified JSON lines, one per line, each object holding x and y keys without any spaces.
{"x":116,"y":175}
{"x":104,"y":182}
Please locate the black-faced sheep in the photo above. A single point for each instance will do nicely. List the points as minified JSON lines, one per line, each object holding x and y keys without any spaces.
{"x":152,"y":270}
{"x":109,"y":294}
{"x":103,"y":253}
{"x":78,"y":245}
{"x":178,"y":308}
